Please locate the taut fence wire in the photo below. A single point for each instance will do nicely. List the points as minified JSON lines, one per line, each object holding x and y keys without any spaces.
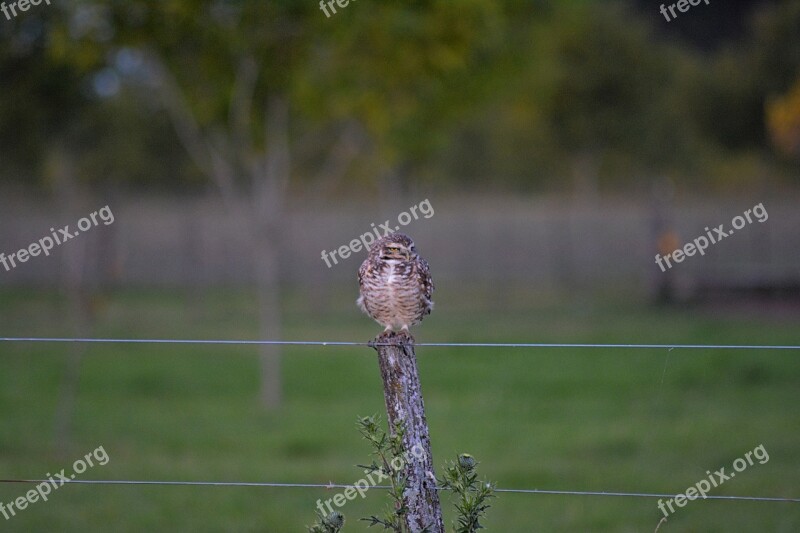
{"x":342,"y":486}
{"x":426,"y":344}
{"x":372,"y":344}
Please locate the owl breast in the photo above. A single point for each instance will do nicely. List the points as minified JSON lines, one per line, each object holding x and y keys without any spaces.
{"x":392,"y":294}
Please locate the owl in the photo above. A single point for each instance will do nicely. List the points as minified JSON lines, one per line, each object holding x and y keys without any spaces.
{"x":395,"y":283}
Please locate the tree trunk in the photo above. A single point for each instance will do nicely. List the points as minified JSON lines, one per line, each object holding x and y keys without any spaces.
{"x":270,"y":181}
{"x":225,"y":156}
{"x":269,"y":301}
{"x":404,"y":405}
{"x":72,"y":200}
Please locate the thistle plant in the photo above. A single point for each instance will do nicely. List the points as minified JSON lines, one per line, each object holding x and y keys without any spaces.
{"x":385,"y":450}
{"x":472,"y":495}
{"x":388,"y":461}
{"x":333,"y":523}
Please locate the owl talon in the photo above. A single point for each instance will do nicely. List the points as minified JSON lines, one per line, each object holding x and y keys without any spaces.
{"x":400,"y":339}
{"x":381,"y":339}
{"x":405,"y":338}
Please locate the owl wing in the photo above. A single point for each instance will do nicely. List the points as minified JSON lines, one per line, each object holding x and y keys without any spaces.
{"x":426,"y":281}
{"x":363,"y":270}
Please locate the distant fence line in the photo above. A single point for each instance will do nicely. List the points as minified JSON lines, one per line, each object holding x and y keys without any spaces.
{"x":190,"y":241}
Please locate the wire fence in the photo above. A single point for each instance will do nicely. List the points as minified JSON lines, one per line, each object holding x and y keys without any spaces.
{"x":342,"y":486}
{"x":626,"y":494}
{"x":426,"y":344}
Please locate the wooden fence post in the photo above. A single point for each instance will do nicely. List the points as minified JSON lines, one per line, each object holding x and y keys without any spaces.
{"x":404,"y":405}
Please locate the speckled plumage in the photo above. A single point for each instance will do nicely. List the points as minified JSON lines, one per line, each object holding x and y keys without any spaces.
{"x":395,"y":283}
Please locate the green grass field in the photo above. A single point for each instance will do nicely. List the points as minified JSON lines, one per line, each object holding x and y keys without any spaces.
{"x":641,"y":420}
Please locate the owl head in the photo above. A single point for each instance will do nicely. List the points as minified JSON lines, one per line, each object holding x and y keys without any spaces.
{"x":395,"y":246}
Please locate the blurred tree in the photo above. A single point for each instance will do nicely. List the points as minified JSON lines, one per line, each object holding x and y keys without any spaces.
{"x":707,"y":28}
{"x":593,"y":95}
{"x":518,"y":90}
{"x":773,"y":50}
{"x":728,"y":92}
{"x":783,"y":122}
{"x":776,"y":57}
{"x":42,"y":97}
{"x":508,"y":136}
{"x":222,"y":71}
{"x":407,"y":72}
{"x":231,"y":74}
{"x":43,"y":102}
{"x":54,"y":100}
{"x":612,"y":97}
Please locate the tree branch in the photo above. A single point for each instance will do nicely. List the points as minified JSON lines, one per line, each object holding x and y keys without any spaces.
{"x":207,"y":157}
